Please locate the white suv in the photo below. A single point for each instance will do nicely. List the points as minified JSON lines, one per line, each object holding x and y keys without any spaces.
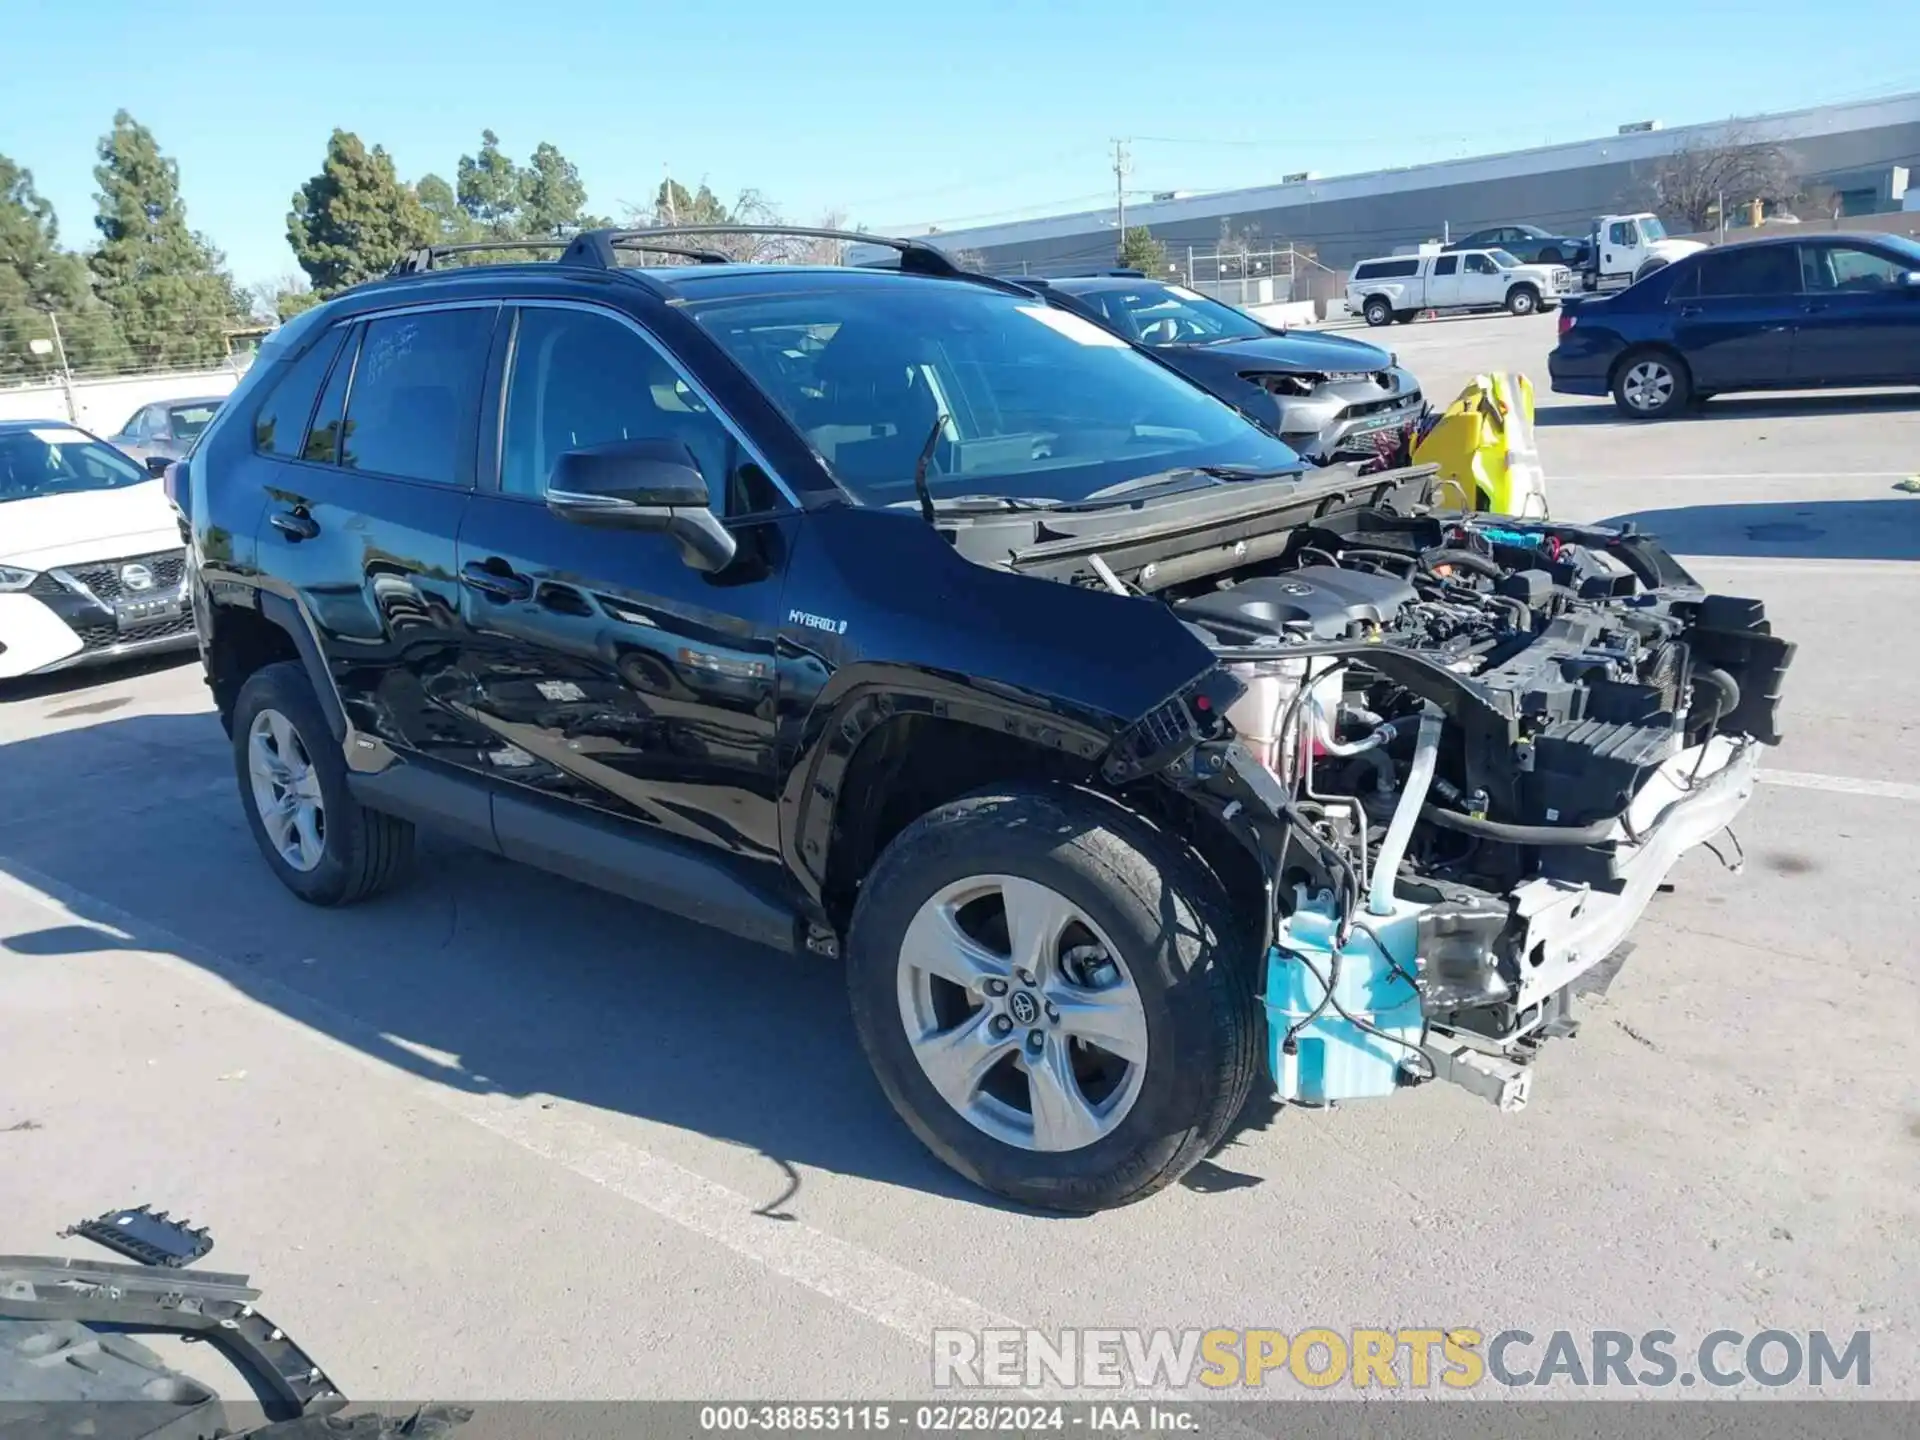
{"x":1399,"y":287}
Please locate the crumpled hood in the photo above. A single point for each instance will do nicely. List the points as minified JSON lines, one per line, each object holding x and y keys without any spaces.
{"x":50,"y":530}
{"x":1298,"y":350}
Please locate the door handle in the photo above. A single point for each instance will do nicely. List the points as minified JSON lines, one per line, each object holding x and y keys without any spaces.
{"x":1689,"y":309}
{"x":296,"y":525}
{"x":496,"y":580}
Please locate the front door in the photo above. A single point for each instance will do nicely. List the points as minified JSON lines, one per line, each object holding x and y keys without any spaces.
{"x":1621,"y":249}
{"x":1860,"y":321}
{"x":1480,"y":281}
{"x":605,"y":669}
{"x":1733,"y":319}
{"x":361,"y":520}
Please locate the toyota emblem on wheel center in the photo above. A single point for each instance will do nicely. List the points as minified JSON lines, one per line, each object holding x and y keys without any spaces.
{"x":1023,"y":1008}
{"x":136,"y":577}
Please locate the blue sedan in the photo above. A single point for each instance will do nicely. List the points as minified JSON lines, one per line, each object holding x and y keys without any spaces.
{"x":1802,"y":313}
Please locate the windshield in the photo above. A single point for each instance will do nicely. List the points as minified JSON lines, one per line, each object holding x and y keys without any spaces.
{"x":1651,"y":228}
{"x":56,"y":460}
{"x":1504,"y":259}
{"x":1038,"y":403}
{"x":189,"y":420}
{"x":1172,"y":315}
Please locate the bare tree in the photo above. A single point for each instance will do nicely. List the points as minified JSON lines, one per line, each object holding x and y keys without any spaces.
{"x":1731,"y":169}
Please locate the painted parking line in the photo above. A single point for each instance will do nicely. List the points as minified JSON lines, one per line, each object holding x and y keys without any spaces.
{"x":1841,"y":784}
{"x":1740,"y":475}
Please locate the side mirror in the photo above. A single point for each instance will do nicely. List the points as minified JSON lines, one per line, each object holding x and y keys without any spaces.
{"x":157,"y":465}
{"x":1911,"y":280}
{"x":642,"y":485}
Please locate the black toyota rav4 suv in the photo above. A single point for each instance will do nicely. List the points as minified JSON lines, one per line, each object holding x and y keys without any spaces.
{"x":897,"y":617}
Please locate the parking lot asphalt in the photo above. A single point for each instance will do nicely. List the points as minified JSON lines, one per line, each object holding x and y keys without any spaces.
{"x":499,"y":1136}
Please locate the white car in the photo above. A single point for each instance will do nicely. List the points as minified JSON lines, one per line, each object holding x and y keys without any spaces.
{"x":1399,"y":287}
{"x":92,"y":565}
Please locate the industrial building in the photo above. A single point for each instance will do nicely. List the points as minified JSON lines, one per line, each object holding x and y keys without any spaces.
{"x":1855,"y":157}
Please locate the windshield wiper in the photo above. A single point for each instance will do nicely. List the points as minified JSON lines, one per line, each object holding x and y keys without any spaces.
{"x":1216,"y":474}
{"x":920,"y":486}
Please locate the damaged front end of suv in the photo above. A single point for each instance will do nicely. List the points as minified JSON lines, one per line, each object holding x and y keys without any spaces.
{"x":1465,"y":751}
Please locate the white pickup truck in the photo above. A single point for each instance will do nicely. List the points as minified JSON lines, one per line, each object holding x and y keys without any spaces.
{"x":1627,"y":248}
{"x":1399,"y":287}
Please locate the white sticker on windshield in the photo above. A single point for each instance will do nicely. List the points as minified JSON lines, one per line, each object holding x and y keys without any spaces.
{"x":62,"y":436}
{"x":1184,"y":293}
{"x":1083,"y":332}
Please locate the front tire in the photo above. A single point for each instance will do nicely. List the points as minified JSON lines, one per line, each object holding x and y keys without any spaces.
{"x":323,"y":844}
{"x":1523,"y":300}
{"x":1651,"y":385}
{"x":1053,"y":998}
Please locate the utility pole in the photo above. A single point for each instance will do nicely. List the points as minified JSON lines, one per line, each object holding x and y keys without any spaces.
{"x":666,"y":170}
{"x":1122,"y":167}
{"x":66,"y":375}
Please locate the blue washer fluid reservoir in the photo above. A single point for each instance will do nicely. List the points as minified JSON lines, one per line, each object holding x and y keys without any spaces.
{"x":1334,"y":1059}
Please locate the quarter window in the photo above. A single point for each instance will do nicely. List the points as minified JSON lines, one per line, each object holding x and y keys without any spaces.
{"x":415,"y":390}
{"x":281,"y":420}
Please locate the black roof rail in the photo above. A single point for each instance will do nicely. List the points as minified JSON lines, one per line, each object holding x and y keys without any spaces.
{"x":596,"y":247}
{"x":428,"y":257}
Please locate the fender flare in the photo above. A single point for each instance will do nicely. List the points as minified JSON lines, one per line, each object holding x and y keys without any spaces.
{"x":862,"y":698}
{"x":282,"y":611}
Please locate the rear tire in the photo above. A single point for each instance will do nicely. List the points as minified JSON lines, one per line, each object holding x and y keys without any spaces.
{"x":1549,"y":256}
{"x":1406,"y":317}
{"x":1377,"y":312}
{"x":1109,"y":908}
{"x":1651,"y":384}
{"x":324,"y":845}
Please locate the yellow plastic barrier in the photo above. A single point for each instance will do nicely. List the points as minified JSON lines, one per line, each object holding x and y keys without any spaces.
{"x":1483,"y":443}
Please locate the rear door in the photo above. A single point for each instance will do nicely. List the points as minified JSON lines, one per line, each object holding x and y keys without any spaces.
{"x":361,"y":521}
{"x":603,"y":668}
{"x":1443,"y":282}
{"x":1860,"y":321}
{"x":1734,"y":317}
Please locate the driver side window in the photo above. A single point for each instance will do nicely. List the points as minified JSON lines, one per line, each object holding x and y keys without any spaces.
{"x":1622,"y":232}
{"x":1482,"y":265}
{"x":577,"y":379}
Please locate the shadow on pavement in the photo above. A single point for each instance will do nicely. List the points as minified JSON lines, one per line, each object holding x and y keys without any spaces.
{"x":1864,"y":403}
{"x":478,"y":973}
{"x":86,"y":677}
{"x":1815,"y":529}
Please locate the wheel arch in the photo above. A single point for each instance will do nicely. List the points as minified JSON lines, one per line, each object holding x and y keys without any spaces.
{"x":246,"y":633}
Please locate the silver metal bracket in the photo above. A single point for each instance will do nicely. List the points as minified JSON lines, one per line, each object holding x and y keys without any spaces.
{"x":1489,"y":1076}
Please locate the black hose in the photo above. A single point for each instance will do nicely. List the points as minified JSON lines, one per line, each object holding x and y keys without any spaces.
{"x":1396,"y":557}
{"x":1592,"y":834}
{"x":1463,"y":559}
{"x":1378,"y":761}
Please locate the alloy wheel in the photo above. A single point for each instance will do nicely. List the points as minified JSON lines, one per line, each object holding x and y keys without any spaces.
{"x":1021,"y":1013}
{"x":286,"y":790}
{"x":1648,"y":385}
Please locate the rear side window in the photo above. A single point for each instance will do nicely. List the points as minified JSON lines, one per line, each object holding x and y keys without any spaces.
{"x":1446,"y":265}
{"x":1387,"y":269}
{"x":281,"y":420}
{"x":415,"y":392}
{"x":1750,"y":270}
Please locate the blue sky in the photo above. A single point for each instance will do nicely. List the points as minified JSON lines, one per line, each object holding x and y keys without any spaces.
{"x":889,"y":110}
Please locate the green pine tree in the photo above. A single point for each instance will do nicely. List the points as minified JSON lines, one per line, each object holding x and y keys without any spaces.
{"x":451,"y":224}
{"x":555,"y":199}
{"x":38,"y":277}
{"x":1140,"y":251}
{"x":168,"y":287}
{"x":350,"y":222}
{"x":492,"y":189}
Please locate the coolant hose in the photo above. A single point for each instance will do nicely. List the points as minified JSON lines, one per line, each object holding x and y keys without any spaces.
{"x":1593,"y":834}
{"x":1463,"y":559}
{"x":1413,"y":801}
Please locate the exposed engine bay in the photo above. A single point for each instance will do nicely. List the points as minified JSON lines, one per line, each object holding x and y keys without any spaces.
{"x":1469,"y":749}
